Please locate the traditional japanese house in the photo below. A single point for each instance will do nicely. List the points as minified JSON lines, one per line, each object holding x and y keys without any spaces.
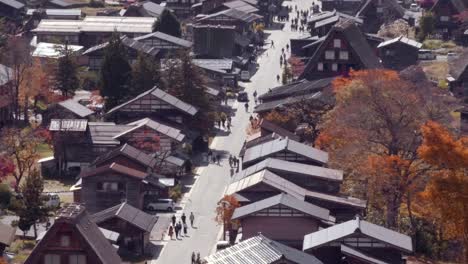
{"x":95,"y":55}
{"x":445,"y":12}
{"x":7,"y":236}
{"x":297,"y":45}
{"x":458,"y":76}
{"x":68,"y":109}
{"x":307,"y":176}
{"x":66,"y":14}
{"x":73,"y":238}
{"x":267,"y":128}
{"x":232,"y":17}
{"x":181,"y":8}
{"x":284,"y":149}
{"x":92,"y":30}
{"x":164,"y":43}
{"x":11,"y":9}
{"x":260,"y":249}
{"x":301,"y":87}
{"x":215,"y":41}
{"x":133,"y":225}
{"x":6,"y":102}
{"x":155,"y":104}
{"x":344,"y":48}
{"x":322,"y":24}
{"x":236,"y":4}
{"x":143,"y":9}
{"x":399,"y":53}
{"x":345,"y":6}
{"x":220,"y":70}
{"x":283,"y":218}
{"x":112,"y":184}
{"x":358,"y":239}
{"x":377,"y":12}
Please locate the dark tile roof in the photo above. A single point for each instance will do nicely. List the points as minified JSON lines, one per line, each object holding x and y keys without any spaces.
{"x":301,"y":87}
{"x":354,"y":253}
{"x":285,"y":200}
{"x":336,"y":18}
{"x":260,"y":250}
{"x":234,"y":14}
{"x":129,"y":152}
{"x":361,"y":227}
{"x":75,"y":107}
{"x":103,"y":133}
{"x":271,"y":147}
{"x":287,"y":101}
{"x":129,"y":43}
{"x":163,"y":36}
{"x":169,"y":131}
{"x":114,"y":167}
{"x":278,"y":166}
{"x":273,"y":128}
{"x":75,"y":215}
{"x":129,"y":214}
{"x":343,"y":200}
{"x":164,"y":96}
{"x":241,"y":6}
{"x":458,"y":4}
{"x":389,"y":4}
{"x":13,"y":3}
{"x":321,"y":16}
{"x":7,"y":234}
{"x":458,"y":66}
{"x":357,"y":42}
{"x":153,"y":9}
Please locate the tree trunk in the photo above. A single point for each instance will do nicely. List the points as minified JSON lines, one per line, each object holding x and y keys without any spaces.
{"x":35,"y":230}
{"x":414,"y":230}
{"x":393,"y":205}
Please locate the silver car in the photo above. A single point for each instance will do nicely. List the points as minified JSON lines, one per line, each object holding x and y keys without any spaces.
{"x":161,"y":205}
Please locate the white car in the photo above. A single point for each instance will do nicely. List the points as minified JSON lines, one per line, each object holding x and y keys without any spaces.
{"x":161,"y":205}
{"x":414,"y":7}
{"x":51,"y":200}
{"x":452,"y":55}
{"x":426,"y":55}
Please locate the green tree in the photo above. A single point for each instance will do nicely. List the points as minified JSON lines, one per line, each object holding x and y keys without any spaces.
{"x":145,"y":74}
{"x":66,"y":74}
{"x":426,"y":25}
{"x":168,"y":23}
{"x":115,"y":72}
{"x":32,"y":209}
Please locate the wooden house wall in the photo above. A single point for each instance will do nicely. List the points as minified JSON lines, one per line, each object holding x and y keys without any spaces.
{"x":311,"y":183}
{"x":398,"y":56}
{"x":96,"y":200}
{"x":127,"y":231}
{"x":444,"y":8}
{"x":215,"y":42}
{"x":78,"y":245}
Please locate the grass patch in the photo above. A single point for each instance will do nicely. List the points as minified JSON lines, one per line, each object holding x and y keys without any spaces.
{"x":436,"y":70}
{"x":44,"y":150}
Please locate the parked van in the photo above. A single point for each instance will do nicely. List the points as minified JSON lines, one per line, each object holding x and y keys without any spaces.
{"x":425,"y":54}
{"x":51,"y":200}
{"x":161,"y":205}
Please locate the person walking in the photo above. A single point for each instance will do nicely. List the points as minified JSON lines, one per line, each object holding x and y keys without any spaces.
{"x":193,"y":257}
{"x":218,"y":158}
{"x":198,"y":258}
{"x":192,"y":218}
{"x":173,"y":218}
{"x":229,"y":126}
{"x":230,"y":159}
{"x":272,"y":44}
{"x":178,"y":229}
{"x":246,"y":105}
{"x":183,"y":217}
{"x":210,"y":153}
{"x":171,"y":231}
{"x":277,"y":77}
{"x":255,"y":94}
{"x":185,"y":229}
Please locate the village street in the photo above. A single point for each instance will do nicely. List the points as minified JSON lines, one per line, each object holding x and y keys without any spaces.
{"x":212,"y":179}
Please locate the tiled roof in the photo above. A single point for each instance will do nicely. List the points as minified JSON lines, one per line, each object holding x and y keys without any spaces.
{"x":77,"y":108}
{"x":402,"y":39}
{"x":103,"y":133}
{"x":260,"y":250}
{"x":273,"y":128}
{"x":130,"y":152}
{"x":344,"y":200}
{"x":287,"y":101}
{"x":271,"y":147}
{"x":114,"y":167}
{"x":234,"y":14}
{"x":169,"y":131}
{"x":129,"y":43}
{"x":13,"y":3}
{"x":296,"y":88}
{"x":347,"y":229}
{"x":57,"y":12}
{"x":388,"y":4}
{"x":354,"y":253}
{"x":241,"y":6}
{"x":285,"y":200}
{"x":128,"y":213}
{"x":163,"y":36}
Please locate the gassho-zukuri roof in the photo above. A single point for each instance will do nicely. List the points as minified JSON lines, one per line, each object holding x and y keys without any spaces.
{"x":278,"y":165}
{"x":129,"y":43}
{"x":76,"y":216}
{"x":402,"y":39}
{"x":169,"y":131}
{"x":271,"y":147}
{"x":114,"y":167}
{"x":234,"y":14}
{"x":163,"y":36}
{"x":260,"y":250}
{"x":77,"y":108}
{"x":162,"y":95}
{"x":361,"y":227}
{"x":128,"y":213}
{"x":285,"y":200}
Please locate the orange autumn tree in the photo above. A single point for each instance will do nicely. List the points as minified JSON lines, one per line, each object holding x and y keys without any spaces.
{"x":224,"y":211}
{"x":372,"y":133}
{"x":445,"y":198}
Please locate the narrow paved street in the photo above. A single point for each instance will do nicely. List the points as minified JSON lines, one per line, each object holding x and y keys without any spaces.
{"x":212,"y":179}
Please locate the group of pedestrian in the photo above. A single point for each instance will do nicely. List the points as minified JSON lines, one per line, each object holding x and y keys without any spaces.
{"x":180,"y":227}
{"x":233,"y":163}
{"x":196,"y":258}
{"x":215,"y":158}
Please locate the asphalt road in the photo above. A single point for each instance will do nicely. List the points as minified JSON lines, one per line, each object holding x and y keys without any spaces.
{"x":212,"y":180}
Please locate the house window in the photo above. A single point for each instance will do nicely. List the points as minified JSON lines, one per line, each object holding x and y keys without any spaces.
{"x":52,"y":259}
{"x":444,"y":18}
{"x":344,"y":55}
{"x":337,"y":43}
{"x":320,"y":66}
{"x":77,"y":259}
{"x":65,"y":241}
{"x":379,"y":10}
{"x":110,"y":186}
{"x":389,"y":52}
{"x":330,"y":54}
{"x":334,"y":67}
